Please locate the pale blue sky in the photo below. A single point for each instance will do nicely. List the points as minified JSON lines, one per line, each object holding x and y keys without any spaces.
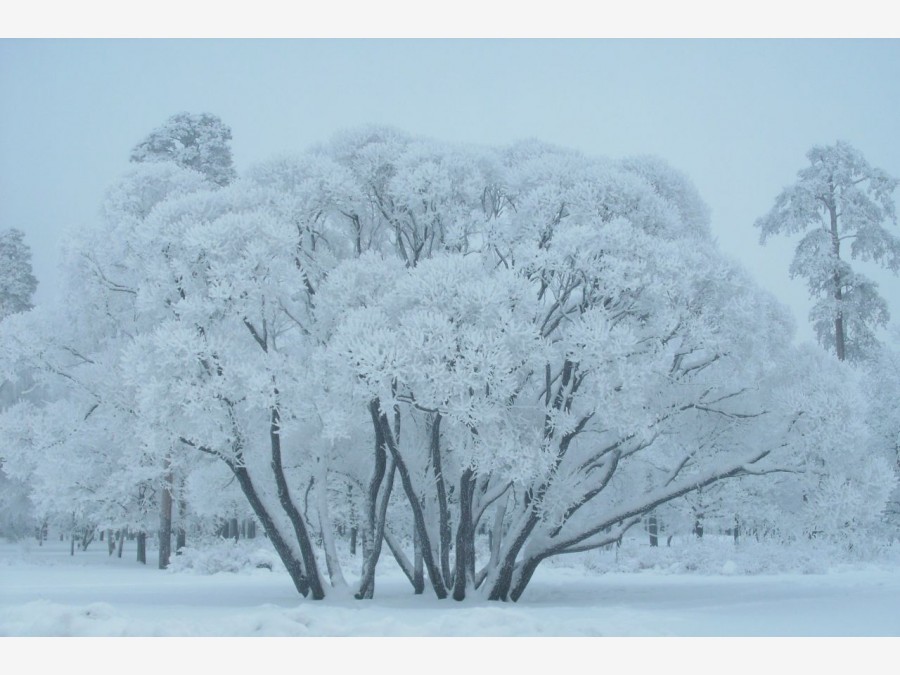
{"x":736,"y":115}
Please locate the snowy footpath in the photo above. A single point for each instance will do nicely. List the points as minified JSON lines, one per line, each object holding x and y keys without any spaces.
{"x":45,"y":592}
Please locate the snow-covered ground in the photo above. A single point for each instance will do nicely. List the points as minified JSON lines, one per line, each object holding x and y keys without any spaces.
{"x":45,"y":592}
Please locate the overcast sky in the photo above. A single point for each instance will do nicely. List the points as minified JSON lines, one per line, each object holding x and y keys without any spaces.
{"x":736,"y":115}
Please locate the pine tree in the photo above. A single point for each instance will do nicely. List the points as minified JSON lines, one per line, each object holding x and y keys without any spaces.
{"x":199,"y":142}
{"x":839,"y":197}
{"x":17,"y":283}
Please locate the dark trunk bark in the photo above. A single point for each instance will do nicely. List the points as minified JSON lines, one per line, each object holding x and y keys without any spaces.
{"x":180,"y":540}
{"x":110,"y":541}
{"x":653,"y":527}
{"x":839,"y":334}
{"x":306,"y":548}
{"x":501,"y":588}
{"x":353,"y":535}
{"x":465,"y":538}
{"x":371,"y":542}
{"x":142,"y":547}
{"x":434,"y":574}
{"x":165,"y":522}
{"x":418,"y":580}
{"x":293,"y":565}
{"x":121,"y":543}
{"x":181,"y":531}
{"x":524,"y":578}
{"x":443,"y":511}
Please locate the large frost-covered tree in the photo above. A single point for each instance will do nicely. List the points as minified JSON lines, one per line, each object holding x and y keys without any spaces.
{"x":475,"y":358}
{"x":839,"y":197}
{"x":200,"y":142}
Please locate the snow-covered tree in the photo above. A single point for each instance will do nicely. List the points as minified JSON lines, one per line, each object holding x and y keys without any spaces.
{"x":17,"y":283}
{"x":475,"y":358}
{"x":200,"y":142}
{"x":839,"y":197}
{"x":882,"y":386}
{"x":17,"y":287}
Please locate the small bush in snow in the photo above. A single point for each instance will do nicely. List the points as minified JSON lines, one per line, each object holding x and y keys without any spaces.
{"x":225,"y":555}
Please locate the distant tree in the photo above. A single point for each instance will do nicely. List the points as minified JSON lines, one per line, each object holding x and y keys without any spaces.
{"x":882,"y":381}
{"x":199,"y":142}
{"x":839,"y":197}
{"x":17,"y":283}
{"x":17,"y":286}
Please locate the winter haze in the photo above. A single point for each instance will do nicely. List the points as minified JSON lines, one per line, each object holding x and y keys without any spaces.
{"x":736,"y":116}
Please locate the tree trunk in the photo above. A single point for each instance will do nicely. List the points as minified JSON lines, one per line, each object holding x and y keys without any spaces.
{"x":464,"y":574}
{"x":110,"y":542}
{"x":839,"y":334}
{"x":503,"y":578}
{"x":434,"y":573}
{"x":121,"y":543}
{"x":284,"y":497}
{"x":653,"y":527}
{"x":181,"y":532}
{"x":332,"y":562}
{"x":353,"y":535}
{"x":180,"y":540}
{"x":142,"y":547}
{"x":293,"y":565}
{"x":418,"y":567}
{"x":165,"y":522}
{"x":371,"y":541}
{"x":523,"y":578}
{"x":443,"y":511}
{"x":233,"y":530}
{"x":496,"y":533}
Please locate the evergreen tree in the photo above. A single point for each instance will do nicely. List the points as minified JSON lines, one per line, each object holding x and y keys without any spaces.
{"x":839,"y":197}
{"x":17,"y":283}
{"x":199,"y":142}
